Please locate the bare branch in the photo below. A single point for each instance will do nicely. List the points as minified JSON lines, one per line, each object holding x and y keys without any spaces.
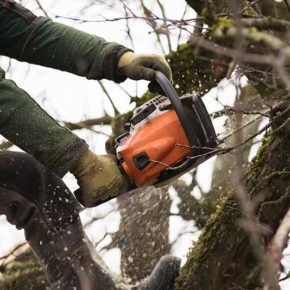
{"x":274,"y":253}
{"x":287,"y":2}
{"x":105,"y":120}
{"x":41,"y":7}
{"x":167,"y":33}
{"x":109,"y":97}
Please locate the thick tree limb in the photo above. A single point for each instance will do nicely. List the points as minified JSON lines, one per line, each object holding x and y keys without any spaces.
{"x":223,"y":257}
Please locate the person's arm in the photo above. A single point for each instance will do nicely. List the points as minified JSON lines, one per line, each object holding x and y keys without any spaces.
{"x":39,"y":40}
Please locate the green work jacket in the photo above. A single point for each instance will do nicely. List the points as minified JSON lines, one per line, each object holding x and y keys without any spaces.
{"x":39,"y":40}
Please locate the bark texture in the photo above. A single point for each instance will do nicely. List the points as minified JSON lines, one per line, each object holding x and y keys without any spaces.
{"x":223,"y":257}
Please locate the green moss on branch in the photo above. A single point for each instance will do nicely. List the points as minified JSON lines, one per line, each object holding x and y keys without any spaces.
{"x":223,"y":258}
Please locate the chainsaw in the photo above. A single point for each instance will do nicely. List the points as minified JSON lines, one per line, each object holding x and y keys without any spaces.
{"x":168,"y":136}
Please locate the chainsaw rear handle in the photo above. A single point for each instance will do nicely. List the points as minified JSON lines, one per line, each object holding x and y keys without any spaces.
{"x":170,"y":92}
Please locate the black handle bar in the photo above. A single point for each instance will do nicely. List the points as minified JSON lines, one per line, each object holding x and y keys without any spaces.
{"x":170,"y":92}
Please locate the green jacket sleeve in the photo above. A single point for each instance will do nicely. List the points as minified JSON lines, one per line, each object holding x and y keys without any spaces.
{"x":39,"y":40}
{"x":27,"y":125}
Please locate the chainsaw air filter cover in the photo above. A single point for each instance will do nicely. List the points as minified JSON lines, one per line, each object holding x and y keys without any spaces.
{"x":167,"y":138}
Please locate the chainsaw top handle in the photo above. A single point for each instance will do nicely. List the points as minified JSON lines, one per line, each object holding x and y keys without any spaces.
{"x":171,"y":93}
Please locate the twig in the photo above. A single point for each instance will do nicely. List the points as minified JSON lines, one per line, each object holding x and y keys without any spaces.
{"x":228,"y":110}
{"x":149,"y":19}
{"x":105,"y":120}
{"x":41,"y":8}
{"x":128,"y":28}
{"x":231,"y":53}
{"x":248,"y":221}
{"x":165,"y":25}
{"x":152,"y":18}
{"x":275,"y":249}
{"x":109,"y":97}
{"x":180,"y":31}
{"x":221,"y":151}
{"x":287,"y":2}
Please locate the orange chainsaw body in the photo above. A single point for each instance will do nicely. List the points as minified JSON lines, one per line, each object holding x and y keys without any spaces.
{"x":168,"y":136}
{"x":153,"y":148}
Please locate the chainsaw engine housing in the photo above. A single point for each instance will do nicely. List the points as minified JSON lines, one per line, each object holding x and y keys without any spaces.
{"x":164,"y":142}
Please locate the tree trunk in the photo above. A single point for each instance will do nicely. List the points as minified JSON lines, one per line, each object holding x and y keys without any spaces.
{"x":143,"y":234}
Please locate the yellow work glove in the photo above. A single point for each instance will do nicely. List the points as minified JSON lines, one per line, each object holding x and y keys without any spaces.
{"x":143,"y":67}
{"x":98,"y":178}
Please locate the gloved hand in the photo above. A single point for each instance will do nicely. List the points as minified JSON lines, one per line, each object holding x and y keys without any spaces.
{"x":143,"y":66}
{"x":98,"y":178}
